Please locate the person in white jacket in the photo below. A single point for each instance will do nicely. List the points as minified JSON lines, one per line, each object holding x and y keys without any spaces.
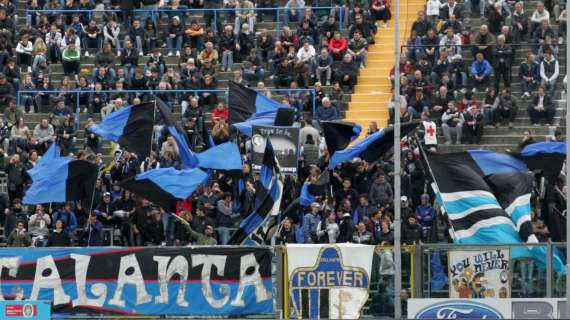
{"x":432,"y":13}
{"x":549,"y":72}
{"x":306,"y":53}
{"x":24,"y":52}
{"x":111,"y":32}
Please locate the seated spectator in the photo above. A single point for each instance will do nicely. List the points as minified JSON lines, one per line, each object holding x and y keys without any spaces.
{"x":175,"y":36}
{"x":39,"y":226}
{"x":252,"y":70}
{"x":337,"y":46}
{"x":549,"y":72}
{"x":244,"y":14}
{"x":229,"y":47}
{"x":71,"y":60}
{"x":24,"y":53}
{"x":53,"y":42}
{"x":92,"y":36}
{"x":480,"y":71}
{"x":245,"y":41}
{"x":111,"y":32}
{"x":418,"y":103}
{"x":539,"y":14}
{"x":358,"y":48}
{"x":541,"y":107}
{"x":452,"y":123}
{"x":209,"y":54}
{"x":43,"y":136}
{"x":473,"y":125}
{"x":98,"y":99}
{"x":519,"y":20}
{"x":507,"y":108}
{"x":483,"y":43}
{"x":137,"y":35}
{"x":327,"y":112}
{"x":346,"y":74}
{"x":380,"y":10}
{"x":284,"y":74}
{"x":529,"y":73}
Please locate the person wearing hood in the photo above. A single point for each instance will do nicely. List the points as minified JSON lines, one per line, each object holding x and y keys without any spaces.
{"x":425,"y":213}
{"x":411,"y":230}
{"x":381,"y":192}
{"x":346,"y":228}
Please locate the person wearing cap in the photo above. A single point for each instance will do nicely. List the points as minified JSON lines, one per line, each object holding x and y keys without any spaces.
{"x":105,"y":209}
{"x":405,"y":206}
{"x":310,"y":222}
{"x":346,"y":228}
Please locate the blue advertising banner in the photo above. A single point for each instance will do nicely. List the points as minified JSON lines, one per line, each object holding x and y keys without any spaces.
{"x":207,"y":281}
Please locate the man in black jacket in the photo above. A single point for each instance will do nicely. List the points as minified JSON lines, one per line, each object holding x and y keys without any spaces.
{"x":502,"y":61}
{"x":346,"y":227}
{"x":541,"y":107}
{"x":155,"y":228}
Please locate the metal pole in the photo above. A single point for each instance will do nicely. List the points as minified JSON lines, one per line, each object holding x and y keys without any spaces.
{"x":567,"y":176}
{"x":397,"y":169}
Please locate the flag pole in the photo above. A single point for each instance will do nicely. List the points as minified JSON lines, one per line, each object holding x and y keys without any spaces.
{"x":567,"y":177}
{"x":94,"y":190}
{"x":397,"y":168}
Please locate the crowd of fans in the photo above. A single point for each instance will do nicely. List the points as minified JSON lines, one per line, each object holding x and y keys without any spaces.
{"x":437,"y":79}
{"x":321,"y":49}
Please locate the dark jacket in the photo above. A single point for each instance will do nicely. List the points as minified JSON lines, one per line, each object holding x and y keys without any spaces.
{"x":58,"y":239}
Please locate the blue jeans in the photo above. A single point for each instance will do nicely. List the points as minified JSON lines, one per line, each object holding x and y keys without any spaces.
{"x":168,"y":223}
{"x":239,"y":21}
{"x":227,"y":59}
{"x":489,"y":113}
{"x":174,"y":43}
{"x":527,"y":270}
{"x":224,"y":235}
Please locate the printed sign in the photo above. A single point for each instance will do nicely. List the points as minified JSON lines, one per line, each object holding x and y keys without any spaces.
{"x":285,"y":141}
{"x":329,"y":281}
{"x":479,"y":274}
{"x":532,"y":308}
{"x":209,"y":281}
{"x":25,"y":310}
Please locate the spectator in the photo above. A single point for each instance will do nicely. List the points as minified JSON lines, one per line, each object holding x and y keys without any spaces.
{"x":137,"y":35}
{"x":24,"y":52}
{"x":39,"y":226}
{"x":294,"y":10}
{"x":380,"y":10}
{"x":425,"y":213}
{"x":71,"y":61}
{"x":287,"y":233}
{"x":346,"y":74}
{"x":385,"y":237}
{"x":361,"y":235}
{"x":111,"y":32}
{"x":68,"y":219}
{"x":480,"y":71}
{"x":327,"y":111}
{"x":337,"y":46}
{"x":228,"y":47}
{"x":502,"y":59}
{"x":541,"y":107}
{"x":92,"y":37}
{"x":483,"y":43}
{"x":507,"y":108}
{"x":346,"y":229}
{"x":358,"y":47}
{"x":311,"y":221}
{"x":411,"y":230}
{"x":452,"y":123}
{"x":549,"y":72}
{"x":205,"y":239}
{"x":529,"y":73}
{"x":473,"y":125}
{"x":19,"y":237}
{"x":328,"y":230}
{"x":175,"y":36}
{"x":244,"y":14}
{"x":155,"y":233}
{"x":540,"y":14}
{"x":59,"y":237}
{"x":93,"y":232}
{"x":381,"y":192}
{"x":224,"y":218}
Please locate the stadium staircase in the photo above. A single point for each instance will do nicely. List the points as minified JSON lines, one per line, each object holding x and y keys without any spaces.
{"x":372,"y":93}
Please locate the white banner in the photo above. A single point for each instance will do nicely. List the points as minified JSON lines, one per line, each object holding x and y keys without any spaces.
{"x":479,"y":274}
{"x":531,"y":308}
{"x":329,"y":281}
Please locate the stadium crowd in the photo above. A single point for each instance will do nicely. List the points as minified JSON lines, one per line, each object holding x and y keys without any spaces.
{"x":315,"y":48}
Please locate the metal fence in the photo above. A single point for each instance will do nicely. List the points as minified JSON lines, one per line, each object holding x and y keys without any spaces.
{"x":218,"y":15}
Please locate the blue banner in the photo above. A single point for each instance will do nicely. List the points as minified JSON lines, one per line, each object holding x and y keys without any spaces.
{"x":194,"y":281}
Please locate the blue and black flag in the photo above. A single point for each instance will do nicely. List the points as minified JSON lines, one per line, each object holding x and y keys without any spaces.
{"x":545,"y":156}
{"x":244,"y":102}
{"x":264,"y":118}
{"x":339,"y":134}
{"x":131,"y":127}
{"x":268,"y":197}
{"x":64,"y":179}
{"x":187,"y":157}
{"x":372,"y":147}
{"x":166,"y":186}
{"x":225,"y":156}
{"x":46,"y":160}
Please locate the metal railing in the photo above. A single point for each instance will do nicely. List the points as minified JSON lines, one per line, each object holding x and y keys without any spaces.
{"x":339,"y":11}
{"x":193,"y":92}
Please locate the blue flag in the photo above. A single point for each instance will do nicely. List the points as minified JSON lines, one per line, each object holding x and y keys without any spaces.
{"x":244,"y":102}
{"x":225,"y":156}
{"x":50,"y":155}
{"x":64,"y":179}
{"x":265,"y":118}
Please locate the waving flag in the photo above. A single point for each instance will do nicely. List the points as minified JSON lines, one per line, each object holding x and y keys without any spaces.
{"x":546,"y":156}
{"x":486,"y":196}
{"x":225,"y":156}
{"x":50,"y":155}
{"x":264,"y":118}
{"x":244,"y":102}
{"x":372,"y":147}
{"x":131,"y":127}
{"x":187,"y":157}
{"x":268,"y":198}
{"x":165,"y":186}
{"x":64,"y":179}
{"x":339,"y":134}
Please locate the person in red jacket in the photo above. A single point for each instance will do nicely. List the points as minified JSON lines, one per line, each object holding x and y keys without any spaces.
{"x":221,"y":112}
{"x":337,"y":46}
{"x":380,"y":10}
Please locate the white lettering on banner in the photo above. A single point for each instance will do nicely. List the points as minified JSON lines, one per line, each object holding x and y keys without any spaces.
{"x":179,"y":265}
{"x":130,"y":263}
{"x":250,"y":278}
{"x":12,"y":264}
{"x":208,"y":261}
{"x":99,"y":290}
{"x":51,"y":280}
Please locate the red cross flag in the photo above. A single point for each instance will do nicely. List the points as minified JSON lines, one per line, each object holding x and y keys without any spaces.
{"x":430,"y":130}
